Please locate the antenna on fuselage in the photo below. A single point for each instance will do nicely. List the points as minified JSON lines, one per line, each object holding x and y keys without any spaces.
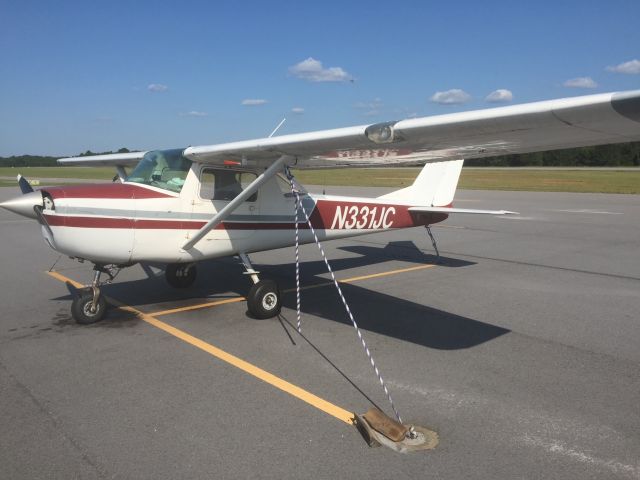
{"x":278,"y":127}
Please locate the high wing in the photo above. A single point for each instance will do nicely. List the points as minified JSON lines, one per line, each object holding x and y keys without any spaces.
{"x":108,"y":160}
{"x":564,"y":123}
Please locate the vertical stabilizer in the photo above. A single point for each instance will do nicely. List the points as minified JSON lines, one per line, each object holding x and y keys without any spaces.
{"x":435,"y":185}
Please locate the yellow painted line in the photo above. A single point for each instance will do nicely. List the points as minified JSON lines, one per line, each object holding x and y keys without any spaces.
{"x":62,"y":278}
{"x":198,"y":306}
{"x":309,"y":287}
{"x":362,"y":277}
{"x":277,"y":382}
{"x":289,"y":290}
{"x":450,"y":226}
{"x":384,"y":274}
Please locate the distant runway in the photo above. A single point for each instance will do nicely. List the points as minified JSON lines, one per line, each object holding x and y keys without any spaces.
{"x":520,"y":346}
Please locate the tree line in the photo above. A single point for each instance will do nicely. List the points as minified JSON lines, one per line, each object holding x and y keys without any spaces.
{"x":617,"y":155}
{"x":46,"y":161}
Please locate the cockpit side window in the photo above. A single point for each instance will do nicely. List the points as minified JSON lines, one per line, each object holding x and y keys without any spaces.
{"x":225,"y":184}
{"x":166,"y":169}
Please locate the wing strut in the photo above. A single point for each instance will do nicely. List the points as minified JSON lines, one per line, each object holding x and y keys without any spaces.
{"x":253,"y":187}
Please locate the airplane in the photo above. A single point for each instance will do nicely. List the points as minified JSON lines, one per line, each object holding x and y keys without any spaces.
{"x":181,"y":206}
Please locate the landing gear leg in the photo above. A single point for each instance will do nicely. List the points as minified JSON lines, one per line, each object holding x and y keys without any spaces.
{"x":89,"y":306}
{"x":433,"y":242}
{"x":264,"y":299}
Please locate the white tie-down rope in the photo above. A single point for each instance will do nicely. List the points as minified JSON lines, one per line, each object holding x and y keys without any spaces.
{"x":300,"y":206}
{"x":297,"y":203}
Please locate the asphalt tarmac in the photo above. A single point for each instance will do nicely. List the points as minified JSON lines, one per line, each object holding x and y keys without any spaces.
{"x":519,"y":346}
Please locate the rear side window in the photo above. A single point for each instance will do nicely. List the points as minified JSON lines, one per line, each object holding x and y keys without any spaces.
{"x":224,"y":184}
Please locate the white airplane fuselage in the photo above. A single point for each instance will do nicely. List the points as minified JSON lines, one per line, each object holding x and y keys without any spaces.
{"x":124,"y":223}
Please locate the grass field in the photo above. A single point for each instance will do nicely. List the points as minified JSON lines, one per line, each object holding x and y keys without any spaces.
{"x":543,"y":180}
{"x":547,"y":180}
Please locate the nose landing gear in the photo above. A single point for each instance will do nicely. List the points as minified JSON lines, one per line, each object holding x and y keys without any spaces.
{"x":89,"y":306}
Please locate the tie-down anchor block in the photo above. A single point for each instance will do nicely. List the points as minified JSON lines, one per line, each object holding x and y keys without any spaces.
{"x":378,"y":429}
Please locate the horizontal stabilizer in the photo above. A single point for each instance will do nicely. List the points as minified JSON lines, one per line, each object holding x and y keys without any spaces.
{"x":460,"y":210}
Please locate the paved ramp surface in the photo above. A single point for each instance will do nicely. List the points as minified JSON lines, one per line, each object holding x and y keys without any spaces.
{"x":520,"y":347}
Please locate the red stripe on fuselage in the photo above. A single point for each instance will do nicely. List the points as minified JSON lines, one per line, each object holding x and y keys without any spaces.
{"x":327,"y":215}
{"x":105,"y":190}
{"x":110,"y":222}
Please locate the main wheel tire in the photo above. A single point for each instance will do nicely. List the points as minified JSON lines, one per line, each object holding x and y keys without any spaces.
{"x":81,"y":309}
{"x":264,"y":299}
{"x":180,"y":275}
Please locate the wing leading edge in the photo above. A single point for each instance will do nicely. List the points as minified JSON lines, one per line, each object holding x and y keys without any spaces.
{"x":108,"y":160}
{"x":548,"y":125}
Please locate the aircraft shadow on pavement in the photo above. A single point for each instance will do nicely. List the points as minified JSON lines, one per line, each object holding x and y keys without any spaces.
{"x":398,"y":318}
{"x":402,"y":250}
{"x":374,"y":311}
{"x":226,"y":275}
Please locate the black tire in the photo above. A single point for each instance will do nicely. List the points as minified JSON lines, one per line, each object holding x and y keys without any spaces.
{"x":264,"y":299}
{"x":81,"y":308}
{"x":180,"y":275}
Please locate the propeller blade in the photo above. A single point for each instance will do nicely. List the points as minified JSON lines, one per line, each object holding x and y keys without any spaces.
{"x":24,"y":185}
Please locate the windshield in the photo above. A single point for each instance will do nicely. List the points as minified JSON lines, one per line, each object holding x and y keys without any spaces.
{"x":162,"y":168}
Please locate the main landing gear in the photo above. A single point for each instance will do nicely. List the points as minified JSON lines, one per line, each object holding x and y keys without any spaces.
{"x":180,"y":275}
{"x":89,"y":305}
{"x":263,"y":300}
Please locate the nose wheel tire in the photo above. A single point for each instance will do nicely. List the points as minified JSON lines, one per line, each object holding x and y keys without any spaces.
{"x":83,"y":310}
{"x":264,"y":299}
{"x":180,"y":275}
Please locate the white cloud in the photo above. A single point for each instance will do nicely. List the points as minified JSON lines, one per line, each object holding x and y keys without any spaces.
{"x":157,"y":87}
{"x":632,"y":67}
{"x":581,"y":82}
{"x":500,"y":96}
{"x":194,"y":113}
{"x":297,"y":110}
{"x":313,"y":71}
{"x":252,"y":102}
{"x":454,"y":96}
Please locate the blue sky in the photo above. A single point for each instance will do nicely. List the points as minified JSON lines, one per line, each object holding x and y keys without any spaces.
{"x":104,"y":75}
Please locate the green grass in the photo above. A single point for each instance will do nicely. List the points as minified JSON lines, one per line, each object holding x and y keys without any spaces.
{"x":544,"y":180}
{"x":359,"y":177}
{"x":592,"y":181}
{"x":547,"y":180}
